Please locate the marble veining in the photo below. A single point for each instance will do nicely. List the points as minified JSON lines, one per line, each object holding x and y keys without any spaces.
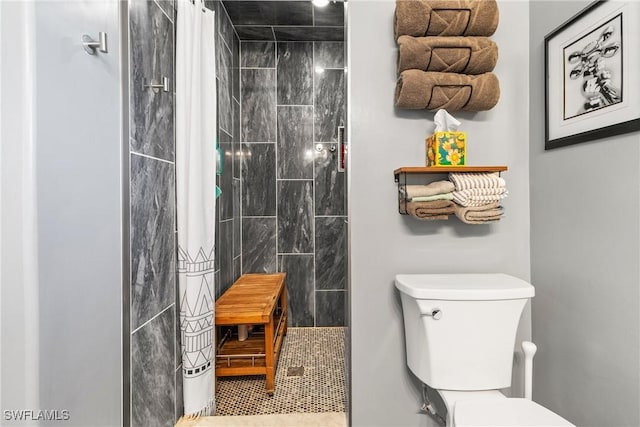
{"x":179,"y":408}
{"x":329,"y":182}
{"x":225,"y":251}
{"x":168,"y":7}
{"x":153,"y":263}
{"x":237,"y":268}
{"x":258,"y":105}
{"x":295,"y":142}
{"x":216,"y":281}
{"x":259,"y":245}
{"x":178,"y":338}
{"x":331,"y":252}
{"x":248,"y":32}
{"x":330,"y":308}
{"x":309,"y":33}
{"x":258,"y":54}
{"x":295,"y":216}
{"x":329,"y":15}
{"x":152,"y":373}
{"x":283,"y":12}
{"x":226,"y":179}
{"x":328,"y":54}
{"x":295,"y":73}
{"x":236,"y":217}
{"x":225,"y":27}
{"x":236,"y":140}
{"x":225,"y":109}
{"x":258,"y":165}
{"x":151,"y":58}
{"x":299,"y":269}
{"x":329,"y":102}
{"x":235,"y":65}
{"x":216,"y":259}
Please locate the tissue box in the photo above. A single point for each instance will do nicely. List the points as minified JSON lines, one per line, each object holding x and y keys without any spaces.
{"x":447,"y":149}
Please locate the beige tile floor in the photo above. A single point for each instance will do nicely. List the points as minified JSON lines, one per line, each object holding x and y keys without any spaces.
{"x":314,"y":399}
{"x":326,"y":419}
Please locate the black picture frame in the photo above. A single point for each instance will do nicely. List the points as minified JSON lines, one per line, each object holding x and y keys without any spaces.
{"x":592,"y":75}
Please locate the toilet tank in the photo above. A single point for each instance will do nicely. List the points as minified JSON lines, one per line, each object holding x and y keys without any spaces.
{"x":468,"y":344}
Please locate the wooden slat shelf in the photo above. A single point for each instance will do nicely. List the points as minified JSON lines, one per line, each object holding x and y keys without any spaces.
{"x":446,"y":169}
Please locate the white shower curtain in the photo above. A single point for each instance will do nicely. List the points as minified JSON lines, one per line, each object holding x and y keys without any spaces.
{"x":195,"y":186}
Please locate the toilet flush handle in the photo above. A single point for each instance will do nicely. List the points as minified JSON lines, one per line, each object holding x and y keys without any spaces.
{"x":436,"y":313}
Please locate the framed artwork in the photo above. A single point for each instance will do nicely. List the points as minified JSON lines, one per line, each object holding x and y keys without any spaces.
{"x":592,"y":69}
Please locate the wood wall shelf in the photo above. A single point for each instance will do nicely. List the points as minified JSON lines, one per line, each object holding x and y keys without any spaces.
{"x":445,"y":169}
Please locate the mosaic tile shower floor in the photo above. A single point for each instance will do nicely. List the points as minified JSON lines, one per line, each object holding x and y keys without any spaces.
{"x":320,"y":388}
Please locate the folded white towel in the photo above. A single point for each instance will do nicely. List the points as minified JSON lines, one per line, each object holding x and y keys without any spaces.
{"x":465,"y":181}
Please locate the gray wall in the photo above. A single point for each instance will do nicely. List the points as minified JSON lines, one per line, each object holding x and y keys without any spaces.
{"x":585,"y":246}
{"x":70,"y":114}
{"x":293,"y":199}
{"x":383,"y":243}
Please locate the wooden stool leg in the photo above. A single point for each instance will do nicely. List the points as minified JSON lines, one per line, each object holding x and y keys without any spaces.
{"x":268,"y":350}
{"x":285,"y":309}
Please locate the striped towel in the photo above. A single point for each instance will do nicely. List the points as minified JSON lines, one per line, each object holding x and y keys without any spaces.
{"x":479,"y":196}
{"x":465,"y":181}
{"x":445,"y":196}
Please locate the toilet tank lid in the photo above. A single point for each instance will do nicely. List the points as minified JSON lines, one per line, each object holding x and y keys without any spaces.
{"x":464,"y":287}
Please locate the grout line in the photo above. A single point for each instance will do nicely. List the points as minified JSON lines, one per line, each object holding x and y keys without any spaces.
{"x":296,"y":253}
{"x":151,"y":157}
{"x":240,"y":147}
{"x":151,"y":320}
{"x":163,"y":12}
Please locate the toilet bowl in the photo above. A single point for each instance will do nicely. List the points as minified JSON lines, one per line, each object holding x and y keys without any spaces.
{"x":460,"y":332}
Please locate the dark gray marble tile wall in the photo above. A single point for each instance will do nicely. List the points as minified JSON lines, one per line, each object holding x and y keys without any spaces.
{"x":303,"y":223}
{"x":258,"y":103}
{"x":329,"y":181}
{"x":295,"y":216}
{"x":295,"y":73}
{"x":295,"y":142}
{"x":330,"y":308}
{"x":258,"y":169}
{"x":300,"y":291}
{"x":329,"y":104}
{"x":152,"y":373}
{"x":259,"y":245}
{"x":156,"y":377}
{"x":153,"y":261}
{"x":151,"y":58}
{"x":154,"y":341}
{"x":331,"y":253}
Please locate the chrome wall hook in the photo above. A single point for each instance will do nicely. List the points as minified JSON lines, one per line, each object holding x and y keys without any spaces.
{"x":156,"y":87}
{"x":90,"y":45}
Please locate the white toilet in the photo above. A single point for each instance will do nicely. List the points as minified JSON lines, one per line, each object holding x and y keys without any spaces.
{"x":460,"y":332}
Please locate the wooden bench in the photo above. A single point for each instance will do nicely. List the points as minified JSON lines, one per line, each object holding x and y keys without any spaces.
{"x":254,"y":299}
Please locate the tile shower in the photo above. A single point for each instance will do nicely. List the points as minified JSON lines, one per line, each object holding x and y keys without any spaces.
{"x":282,"y":203}
{"x":155,"y":379}
{"x":293,"y":195}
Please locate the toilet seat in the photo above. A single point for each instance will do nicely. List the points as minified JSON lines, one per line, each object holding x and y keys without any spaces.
{"x":510,"y":412}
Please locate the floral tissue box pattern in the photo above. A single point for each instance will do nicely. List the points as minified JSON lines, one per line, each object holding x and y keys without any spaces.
{"x":447,"y":149}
